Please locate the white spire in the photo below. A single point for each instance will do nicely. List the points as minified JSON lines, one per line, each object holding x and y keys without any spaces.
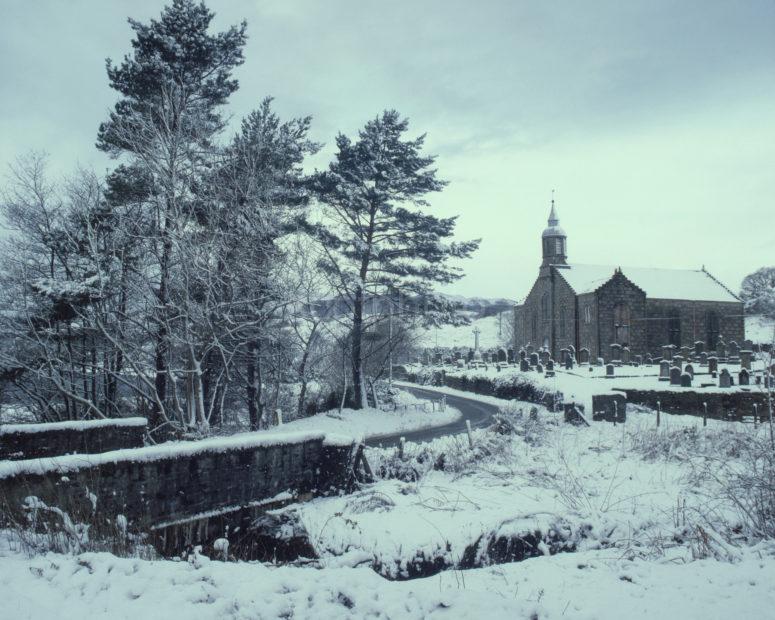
{"x":553,"y":219}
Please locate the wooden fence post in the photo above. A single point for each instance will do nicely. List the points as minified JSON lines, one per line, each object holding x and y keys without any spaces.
{"x":659,"y":411}
{"x":470,"y":436}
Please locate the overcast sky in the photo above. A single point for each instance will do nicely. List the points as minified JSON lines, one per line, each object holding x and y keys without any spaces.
{"x":654,"y":121}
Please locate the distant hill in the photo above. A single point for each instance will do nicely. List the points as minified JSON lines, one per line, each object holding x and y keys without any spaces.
{"x":482,"y":306}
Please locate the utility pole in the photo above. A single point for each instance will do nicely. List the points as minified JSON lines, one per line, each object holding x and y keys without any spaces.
{"x":390,"y":344}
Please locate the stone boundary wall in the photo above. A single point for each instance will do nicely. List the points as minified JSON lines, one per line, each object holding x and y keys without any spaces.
{"x":721,"y":405}
{"x":31,"y":441}
{"x":174,"y":482}
{"x":512,"y":387}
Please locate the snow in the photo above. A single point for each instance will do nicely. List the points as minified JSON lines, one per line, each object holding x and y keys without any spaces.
{"x":172,"y":449}
{"x":375,"y":423}
{"x":679,"y":284}
{"x":760,"y":329}
{"x":494,"y":333}
{"x":73,"y":425}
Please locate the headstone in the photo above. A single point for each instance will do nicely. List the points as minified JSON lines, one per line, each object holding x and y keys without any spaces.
{"x":584,"y":356}
{"x":724,"y":379}
{"x":678,"y":360}
{"x":568,"y":362}
{"x":686,"y":380}
{"x":539,"y":368}
{"x":510,"y":356}
{"x":545,"y":356}
{"x":564,"y":353}
{"x":686,"y":352}
{"x":616,"y":352}
{"x":522,"y":354}
{"x":703,"y":359}
{"x":689,"y":369}
{"x":667,"y":352}
{"x":664,"y":370}
{"x":574,"y":414}
{"x":744,"y":377}
{"x":699,"y":347}
{"x":648,"y":360}
{"x":626,"y":355}
{"x":600,"y":362}
{"x":502,"y":356}
{"x":437,"y":358}
{"x":747,"y":344}
{"x":721,"y":349}
{"x":609,"y":408}
{"x":609,"y":371}
{"x":533,"y":359}
{"x":734,"y":349}
{"x":469,"y":355}
{"x":572,"y":351}
{"x":524,"y":366}
{"x":675,"y":375}
{"x":529,"y":349}
{"x":550,"y":366}
{"x":712,"y":363}
{"x":745,"y":359}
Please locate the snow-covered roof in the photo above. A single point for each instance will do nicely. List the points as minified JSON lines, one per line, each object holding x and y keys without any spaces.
{"x":687,"y":284}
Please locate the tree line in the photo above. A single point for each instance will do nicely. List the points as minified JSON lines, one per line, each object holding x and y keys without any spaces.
{"x":190,"y":282}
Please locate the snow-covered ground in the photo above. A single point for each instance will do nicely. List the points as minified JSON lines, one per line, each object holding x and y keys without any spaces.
{"x":760,"y":329}
{"x":494,"y":333}
{"x":411,"y":414}
{"x":654,"y":535}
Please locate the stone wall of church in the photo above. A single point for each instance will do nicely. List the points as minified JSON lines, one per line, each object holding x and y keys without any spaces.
{"x":535,"y":315}
{"x":564,"y":315}
{"x":685,"y":322}
{"x":619,"y":290}
{"x":587,"y":324}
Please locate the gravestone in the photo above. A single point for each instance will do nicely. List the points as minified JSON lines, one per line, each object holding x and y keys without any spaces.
{"x":747,"y":344}
{"x":689,"y":369}
{"x":609,"y":371}
{"x":502,"y":356}
{"x":712,"y":363}
{"x":743,"y":377}
{"x":734,"y":349}
{"x":626,"y":355}
{"x":675,"y":375}
{"x":745,"y":359}
{"x":703,"y":359}
{"x":563,"y":355}
{"x":584,"y":356}
{"x":609,"y":408}
{"x":574,"y":414}
{"x":469,"y":356}
{"x":545,"y":356}
{"x":664,"y":370}
{"x":550,"y":366}
{"x":616,"y":352}
{"x":686,"y":352}
{"x":724,"y":379}
{"x":510,"y":356}
{"x":678,"y":360}
{"x":600,"y":362}
{"x":437,"y":358}
{"x":721,"y":349}
{"x":530,"y":350}
{"x":524,"y":366}
{"x":572,"y":352}
{"x":533,"y":359}
{"x":568,"y":362}
{"x":699,"y":347}
{"x":522,"y":354}
{"x":539,"y":367}
{"x":667,"y":352}
{"x":686,"y":380}
{"x":648,"y":360}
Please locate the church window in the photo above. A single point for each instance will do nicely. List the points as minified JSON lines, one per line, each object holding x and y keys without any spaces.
{"x":535,"y":327}
{"x":587,"y":314}
{"x":674,"y":327}
{"x":545,"y":306}
{"x":622,"y":324}
{"x":712,"y":325}
{"x":562,"y":327}
{"x":558,"y":247}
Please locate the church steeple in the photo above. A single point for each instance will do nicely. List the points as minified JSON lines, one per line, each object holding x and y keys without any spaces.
{"x":553,"y":240}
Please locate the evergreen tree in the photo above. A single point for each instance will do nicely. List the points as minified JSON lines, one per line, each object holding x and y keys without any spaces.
{"x":378,"y":237}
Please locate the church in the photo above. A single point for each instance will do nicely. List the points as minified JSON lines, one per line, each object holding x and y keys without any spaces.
{"x":594,"y":306}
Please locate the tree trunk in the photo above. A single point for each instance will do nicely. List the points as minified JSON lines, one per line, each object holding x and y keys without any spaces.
{"x":255,"y":408}
{"x":162,"y":345}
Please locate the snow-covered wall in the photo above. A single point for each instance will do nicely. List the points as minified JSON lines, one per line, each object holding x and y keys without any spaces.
{"x":29,"y":441}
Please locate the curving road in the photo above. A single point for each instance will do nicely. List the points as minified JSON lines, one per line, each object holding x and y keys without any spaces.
{"x":480,"y":415}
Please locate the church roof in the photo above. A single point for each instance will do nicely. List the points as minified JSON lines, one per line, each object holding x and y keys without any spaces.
{"x":684,"y":284}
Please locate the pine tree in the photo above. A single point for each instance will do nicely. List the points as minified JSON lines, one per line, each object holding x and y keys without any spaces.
{"x":171,"y":86}
{"x":378,"y":237}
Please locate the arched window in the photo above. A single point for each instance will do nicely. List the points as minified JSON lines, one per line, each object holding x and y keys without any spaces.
{"x":712,"y":329}
{"x":545,"y":306}
{"x":622,"y":324}
{"x":674,"y":327}
{"x":535,"y":327}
